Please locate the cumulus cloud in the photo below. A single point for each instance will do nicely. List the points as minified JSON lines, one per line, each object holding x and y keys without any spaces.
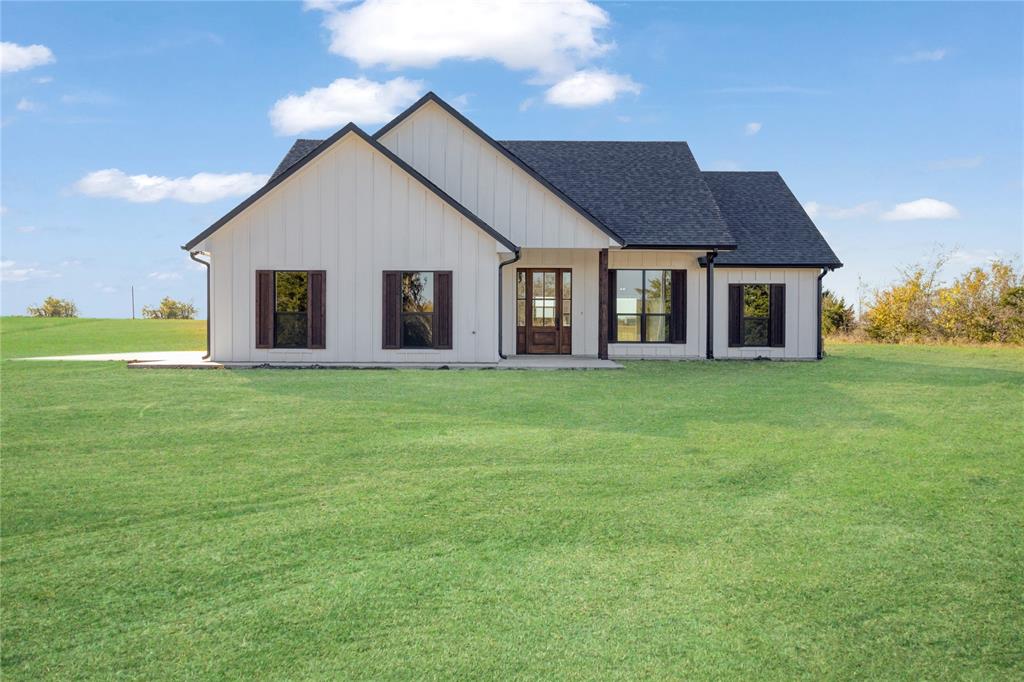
{"x":922,"y":209}
{"x":14,"y":57}
{"x":347,"y":99}
{"x":547,"y":37}
{"x":25,"y":104}
{"x":201,"y":188}
{"x":590,"y":87}
{"x":556,"y":41}
{"x":11,"y":271}
{"x":818,"y":210}
{"x":922,"y":56}
{"x":752,"y":128}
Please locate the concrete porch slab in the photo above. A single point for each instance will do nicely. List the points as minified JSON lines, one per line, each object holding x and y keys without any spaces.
{"x":556,"y":362}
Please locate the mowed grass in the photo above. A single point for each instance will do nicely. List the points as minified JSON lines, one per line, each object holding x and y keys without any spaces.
{"x":861,"y":517}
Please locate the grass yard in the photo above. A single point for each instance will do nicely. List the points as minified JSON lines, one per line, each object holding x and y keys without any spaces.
{"x":860,"y":517}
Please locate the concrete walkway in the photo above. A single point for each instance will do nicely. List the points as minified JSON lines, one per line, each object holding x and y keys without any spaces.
{"x":194,"y":360}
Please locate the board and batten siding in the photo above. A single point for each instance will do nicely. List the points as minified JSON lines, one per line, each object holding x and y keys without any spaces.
{"x":483,"y":180}
{"x":354,"y":214}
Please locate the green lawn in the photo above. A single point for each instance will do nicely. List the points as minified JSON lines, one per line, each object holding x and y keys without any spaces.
{"x":860,"y":517}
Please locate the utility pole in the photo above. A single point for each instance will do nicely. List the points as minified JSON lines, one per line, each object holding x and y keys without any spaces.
{"x":133,"y":301}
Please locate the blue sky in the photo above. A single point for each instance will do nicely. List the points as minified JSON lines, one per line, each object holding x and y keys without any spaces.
{"x":899,"y":126}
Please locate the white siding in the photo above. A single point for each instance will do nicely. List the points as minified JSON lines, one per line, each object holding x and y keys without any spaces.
{"x":354,"y":214}
{"x":483,"y":180}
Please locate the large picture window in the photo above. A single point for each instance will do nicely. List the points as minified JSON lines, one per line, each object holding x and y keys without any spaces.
{"x":643,"y":306}
{"x":417,"y":310}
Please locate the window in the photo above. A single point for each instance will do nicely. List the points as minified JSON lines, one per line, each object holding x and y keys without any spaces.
{"x":757,"y":315}
{"x":290,"y":309}
{"x":643,"y":306}
{"x":417,"y":310}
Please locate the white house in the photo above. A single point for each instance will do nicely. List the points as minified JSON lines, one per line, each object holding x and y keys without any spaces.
{"x":430,"y":242}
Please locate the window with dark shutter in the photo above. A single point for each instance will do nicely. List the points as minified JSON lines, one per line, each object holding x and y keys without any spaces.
{"x":442,"y":309}
{"x":264,"y":309}
{"x":777,"y":316}
{"x":678,"y":314}
{"x":317,"y":309}
{"x":391,"y":310}
{"x":757,"y":315}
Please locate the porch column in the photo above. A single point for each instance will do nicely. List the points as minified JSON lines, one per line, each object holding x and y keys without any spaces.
{"x":710,"y":344}
{"x":602,"y":306}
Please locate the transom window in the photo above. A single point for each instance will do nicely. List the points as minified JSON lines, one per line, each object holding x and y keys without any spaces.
{"x":291,"y":309}
{"x":643,"y":305}
{"x":756,"y":314}
{"x":417,"y":310}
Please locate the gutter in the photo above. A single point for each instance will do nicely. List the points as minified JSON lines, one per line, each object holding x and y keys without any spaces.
{"x":206,"y":264}
{"x":821,"y":335}
{"x":501,"y":265}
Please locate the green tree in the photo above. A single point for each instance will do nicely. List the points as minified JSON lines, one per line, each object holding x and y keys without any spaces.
{"x":54,"y":307}
{"x":169,"y":309}
{"x":836,"y":315}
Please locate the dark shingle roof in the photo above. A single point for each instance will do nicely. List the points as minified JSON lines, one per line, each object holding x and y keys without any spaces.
{"x":650,"y":193}
{"x":769,"y":223}
{"x":299,"y":151}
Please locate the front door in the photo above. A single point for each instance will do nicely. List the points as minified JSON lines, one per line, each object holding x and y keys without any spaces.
{"x":544,"y":311}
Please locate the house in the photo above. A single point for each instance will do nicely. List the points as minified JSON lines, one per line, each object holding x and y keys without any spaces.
{"x":430,"y":242}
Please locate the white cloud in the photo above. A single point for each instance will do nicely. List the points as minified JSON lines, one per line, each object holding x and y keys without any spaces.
{"x":922,"y":209}
{"x":346,"y":99}
{"x":956,"y":163}
{"x":14,"y":57}
{"x":164,"y":275}
{"x":201,"y":188}
{"x":818,"y":210}
{"x":25,"y":104}
{"x":527,"y":104}
{"x":551,"y":38}
{"x":590,"y":87}
{"x":922,"y":56}
{"x":26,"y":229}
{"x":970,"y":258}
{"x":43,"y":80}
{"x":752,"y":128}
{"x":12,"y":272}
{"x":88,"y":97}
{"x":460,"y":101}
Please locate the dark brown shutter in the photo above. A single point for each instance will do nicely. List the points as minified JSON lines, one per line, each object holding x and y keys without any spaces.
{"x":613,"y":293}
{"x":442,"y":310}
{"x":391,"y":311}
{"x":264,"y":308}
{"x":735,"y":314}
{"x":317,"y":315}
{"x":678,"y":311}
{"x":777,"y":316}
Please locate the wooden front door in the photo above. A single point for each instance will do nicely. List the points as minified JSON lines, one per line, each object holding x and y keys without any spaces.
{"x":544,"y":311}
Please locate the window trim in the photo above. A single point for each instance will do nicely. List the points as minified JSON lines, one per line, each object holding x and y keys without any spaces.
{"x":613,"y":336}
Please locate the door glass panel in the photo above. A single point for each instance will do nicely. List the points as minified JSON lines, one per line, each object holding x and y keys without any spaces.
{"x":543,"y":303}
{"x":549,"y":285}
{"x":520,"y":313}
{"x":567,"y":284}
{"x":520,"y":284}
{"x":543,"y":315}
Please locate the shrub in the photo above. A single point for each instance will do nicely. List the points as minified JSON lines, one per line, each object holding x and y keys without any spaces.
{"x":836,"y":316}
{"x":170,"y":309}
{"x":54,"y":307}
{"x":906,"y":310}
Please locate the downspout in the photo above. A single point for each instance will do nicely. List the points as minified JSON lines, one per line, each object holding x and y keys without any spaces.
{"x":205,"y":264}
{"x":821,"y":335}
{"x":501,"y":265}
{"x":710,"y":342}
